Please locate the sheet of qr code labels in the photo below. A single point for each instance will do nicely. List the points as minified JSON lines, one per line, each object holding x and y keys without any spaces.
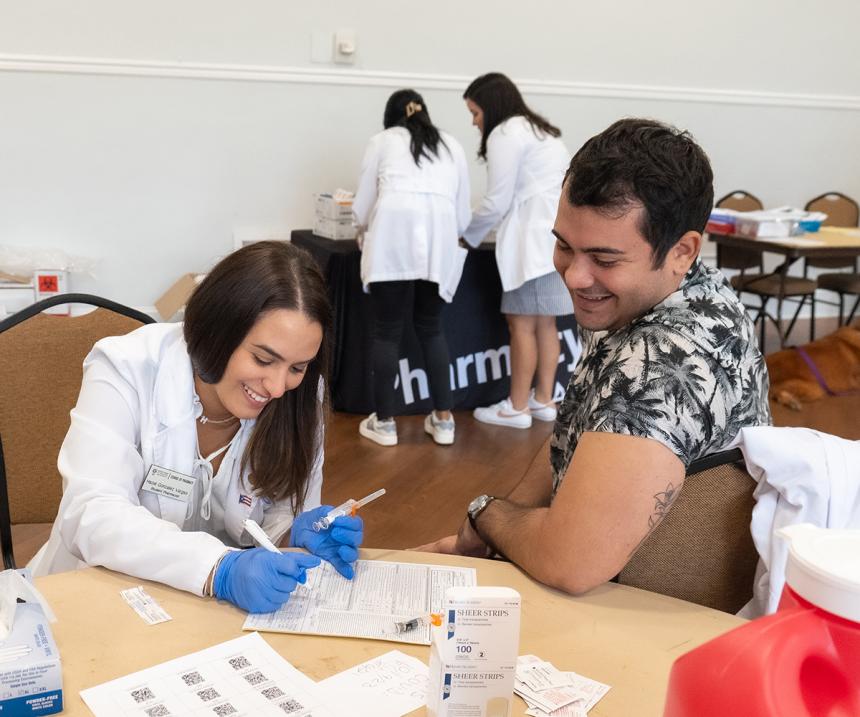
{"x":244,"y":677}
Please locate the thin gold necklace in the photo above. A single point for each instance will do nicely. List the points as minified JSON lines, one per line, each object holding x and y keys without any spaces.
{"x":204,"y":419}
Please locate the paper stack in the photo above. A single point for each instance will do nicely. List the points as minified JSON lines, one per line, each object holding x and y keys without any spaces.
{"x":548,"y":691}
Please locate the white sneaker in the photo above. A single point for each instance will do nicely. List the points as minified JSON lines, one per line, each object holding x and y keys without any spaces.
{"x":503,"y":414}
{"x":382,"y":432}
{"x":541,"y":411}
{"x":442,"y":431}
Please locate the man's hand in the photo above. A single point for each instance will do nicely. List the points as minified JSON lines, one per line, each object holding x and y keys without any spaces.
{"x":466,"y":542}
{"x":470,"y":543}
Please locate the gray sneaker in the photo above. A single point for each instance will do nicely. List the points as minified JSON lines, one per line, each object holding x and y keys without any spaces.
{"x":382,"y":432}
{"x":442,"y":431}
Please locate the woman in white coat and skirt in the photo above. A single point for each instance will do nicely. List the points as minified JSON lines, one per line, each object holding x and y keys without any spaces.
{"x":182,"y":432}
{"x":526,"y":162}
{"x":412,"y":204}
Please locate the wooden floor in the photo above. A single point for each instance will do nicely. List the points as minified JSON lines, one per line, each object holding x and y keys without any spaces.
{"x":428,"y":486}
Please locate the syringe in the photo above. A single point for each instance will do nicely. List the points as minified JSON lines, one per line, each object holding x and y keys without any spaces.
{"x":350,"y":507}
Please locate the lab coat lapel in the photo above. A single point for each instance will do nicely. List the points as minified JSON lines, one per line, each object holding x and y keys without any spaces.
{"x":174,"y":409}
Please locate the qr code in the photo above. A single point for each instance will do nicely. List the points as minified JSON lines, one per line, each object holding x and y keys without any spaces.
{"x":255,"y":678}
{"x":144,"y":694}
{"x":239,"y":663}
{"x":208,"y":694}
{"x":225,"y":709}
{"x":273,"y":693}
{"x":291,"y":706}
{"x":192,"y":678}
{"x":157,"y":711}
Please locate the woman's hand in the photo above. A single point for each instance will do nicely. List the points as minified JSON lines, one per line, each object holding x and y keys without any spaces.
{"x":258,"y":580}
{"x":338,"y":543}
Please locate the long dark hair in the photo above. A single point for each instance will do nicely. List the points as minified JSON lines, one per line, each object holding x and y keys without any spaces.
{"x":499,"y":99}
{"x":244,"y":285}
{"x":406,"y":108}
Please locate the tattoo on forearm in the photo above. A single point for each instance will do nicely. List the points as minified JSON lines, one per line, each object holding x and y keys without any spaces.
{"x":662,"y":502}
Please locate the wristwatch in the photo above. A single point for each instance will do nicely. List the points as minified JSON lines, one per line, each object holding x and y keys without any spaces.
{"x":478,"y":506}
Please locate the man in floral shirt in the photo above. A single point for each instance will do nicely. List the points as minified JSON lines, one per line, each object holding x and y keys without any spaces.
{"x":670,"y":370}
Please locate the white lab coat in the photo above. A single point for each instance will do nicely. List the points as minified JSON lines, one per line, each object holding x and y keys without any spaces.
{"x":525,"y":172}
{"x":138,"y":407}
{"x":803,"y":476}
{"x":413,"y":214}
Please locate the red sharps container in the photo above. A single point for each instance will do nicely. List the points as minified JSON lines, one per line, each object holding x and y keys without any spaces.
{"x":802,"y":661}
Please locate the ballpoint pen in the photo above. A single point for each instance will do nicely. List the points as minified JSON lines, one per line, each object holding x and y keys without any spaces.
{"x":258,"y":534}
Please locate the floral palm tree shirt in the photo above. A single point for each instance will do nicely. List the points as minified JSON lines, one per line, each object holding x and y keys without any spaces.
{"x":688,"y":374}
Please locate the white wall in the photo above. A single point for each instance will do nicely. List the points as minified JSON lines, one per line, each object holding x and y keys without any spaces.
{"x":148,"y":135}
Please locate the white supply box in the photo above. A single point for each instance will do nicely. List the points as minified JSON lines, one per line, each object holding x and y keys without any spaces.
{"x":14,"y":297}
{"x":330,"y":207}
{"x":31,"y":682}
{"x":473,"y":655}
{"x":334,"y":229}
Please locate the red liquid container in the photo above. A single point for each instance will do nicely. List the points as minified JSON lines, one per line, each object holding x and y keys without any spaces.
{"x":802,"y":661}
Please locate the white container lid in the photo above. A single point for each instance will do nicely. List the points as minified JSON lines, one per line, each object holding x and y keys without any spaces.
{"x":824,"y":567}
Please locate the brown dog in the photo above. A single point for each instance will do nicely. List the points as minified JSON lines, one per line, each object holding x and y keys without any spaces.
{"x":837,"y":358}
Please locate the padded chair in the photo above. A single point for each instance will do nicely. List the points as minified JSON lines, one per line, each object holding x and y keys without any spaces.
{"x":842,"y":211}
{"x":41,"y":358}
{"x":703,"y":551}
{"x":734,"y":258}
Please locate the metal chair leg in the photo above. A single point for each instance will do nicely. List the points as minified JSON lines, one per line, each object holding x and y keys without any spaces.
{"x":812,"y":317}
{"x":853,"y":311}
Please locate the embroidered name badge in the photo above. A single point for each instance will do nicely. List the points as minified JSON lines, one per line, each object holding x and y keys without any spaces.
{"x":169,"y":483}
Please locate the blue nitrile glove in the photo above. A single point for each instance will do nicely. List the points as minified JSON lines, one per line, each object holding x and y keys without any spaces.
{"x":337,"y":544}
{"x":258,"y":580}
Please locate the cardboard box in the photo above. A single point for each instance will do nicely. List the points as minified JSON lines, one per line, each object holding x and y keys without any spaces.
{"x":51,"y":282}
{"x":334,"y":229}
{"x":473,"y":654}
{"x":327,"y":207}
{"x":31,"y":684}
{"x":175,"y":298}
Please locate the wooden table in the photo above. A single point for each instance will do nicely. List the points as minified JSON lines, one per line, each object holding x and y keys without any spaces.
{"x":622,"y":636}
{"x":827,"y":243}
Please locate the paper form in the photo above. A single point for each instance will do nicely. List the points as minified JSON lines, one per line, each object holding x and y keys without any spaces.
{"x":244,"y":677}
{"x":369,"y":604}
{"x":390,"y":685}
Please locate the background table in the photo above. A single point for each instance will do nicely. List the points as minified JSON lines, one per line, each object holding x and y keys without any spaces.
{"x":622,"y":636}
{"x":473,"y":325}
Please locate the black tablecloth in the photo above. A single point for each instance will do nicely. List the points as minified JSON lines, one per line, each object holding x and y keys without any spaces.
{"x":476,"y":331}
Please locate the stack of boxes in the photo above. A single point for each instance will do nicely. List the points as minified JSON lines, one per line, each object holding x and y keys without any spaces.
{"x":333,"y":218}
{"x":473,"y":653}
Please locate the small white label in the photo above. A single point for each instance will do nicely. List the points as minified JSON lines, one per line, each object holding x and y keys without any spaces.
{"x":168,"y":483}
{"x":144,"y":605}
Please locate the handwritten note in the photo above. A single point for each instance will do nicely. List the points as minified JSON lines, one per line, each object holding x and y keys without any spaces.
{"x":388,"y":686}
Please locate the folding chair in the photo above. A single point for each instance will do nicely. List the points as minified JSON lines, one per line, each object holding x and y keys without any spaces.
{"x":41,"y":358}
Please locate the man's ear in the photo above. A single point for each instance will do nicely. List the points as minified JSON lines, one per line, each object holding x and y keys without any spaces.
{"x":684,"y":253}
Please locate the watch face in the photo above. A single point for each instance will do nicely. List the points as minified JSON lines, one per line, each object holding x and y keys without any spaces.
{"x":477,"y":504}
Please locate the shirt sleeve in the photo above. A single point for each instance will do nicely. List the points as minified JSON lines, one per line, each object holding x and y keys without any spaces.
{"x":365,"y":195}
{"x":504,"y":154}
{"x":662,"y":386}
{"x":464,"y":190}
{"x":100,"y":519}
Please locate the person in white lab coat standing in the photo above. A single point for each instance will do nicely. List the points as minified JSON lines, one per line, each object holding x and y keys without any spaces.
{"x":526,"y":162}
{"x":182,"y":432}
{"x":412,"y":204}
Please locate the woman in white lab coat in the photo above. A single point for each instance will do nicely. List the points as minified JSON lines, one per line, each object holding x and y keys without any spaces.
{"x":412,"y":203}
{"x":526,"y":162}
{"x":182,"y":432}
